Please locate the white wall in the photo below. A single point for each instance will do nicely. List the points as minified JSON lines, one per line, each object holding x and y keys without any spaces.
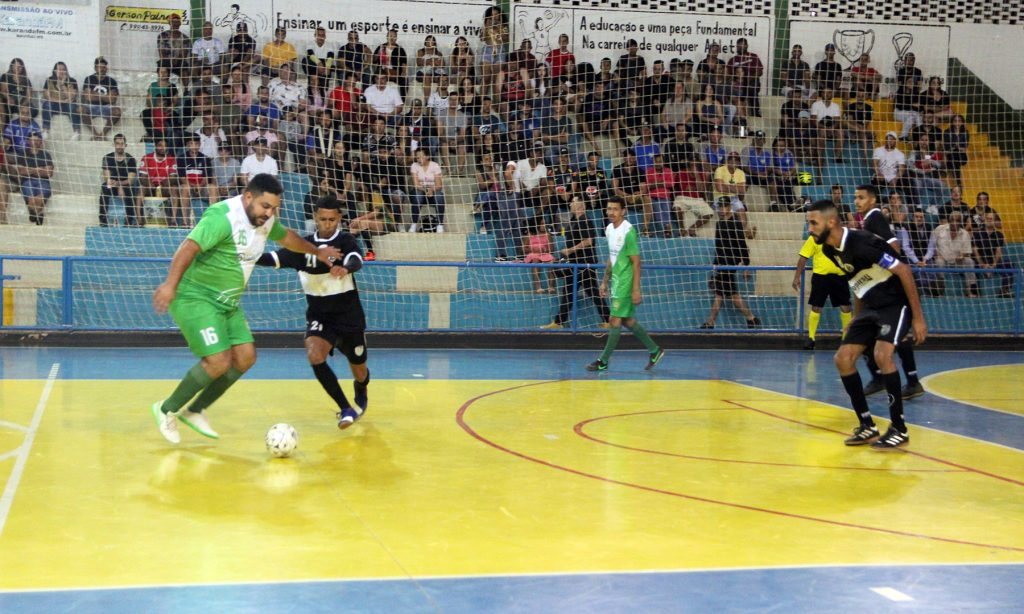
{"x":42,"y":34}
{"x":128,"y":30}
{"x":993,"y":54}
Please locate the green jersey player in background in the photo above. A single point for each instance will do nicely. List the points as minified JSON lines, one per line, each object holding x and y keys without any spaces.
{"x":202,"y":290}
{"x":624,"y":270}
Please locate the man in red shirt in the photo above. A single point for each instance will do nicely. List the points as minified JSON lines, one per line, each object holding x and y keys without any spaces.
{"x":558,"y":58}
{"x":158,"y":177}
{"x":753,"y":70}
{"x":865,"y":78}
{"x":661,"y":186}
{"x":690,"y":198}
{"x":346,"y":102}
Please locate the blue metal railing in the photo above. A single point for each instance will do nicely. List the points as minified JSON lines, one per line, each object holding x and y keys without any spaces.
{"x":661,"y":300}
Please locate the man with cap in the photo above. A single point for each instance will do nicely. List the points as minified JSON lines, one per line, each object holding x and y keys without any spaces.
{"x":259,"y":162}
{"x":756,"y":162}
{"x":890,"y":166}
{"x":828,"y":72}
{"x":532,"y":180}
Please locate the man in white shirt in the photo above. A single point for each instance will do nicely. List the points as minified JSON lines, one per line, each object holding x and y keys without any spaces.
{"x":531,"y":180}
{"x":258,"y":162}
{"x":828,"y":116}
{"x":383,"y":98}
{"x":890,"y":166}
{"x":319,"y":57}
{"x":208,"y":50}
{"x":285,"y":91}
{"x":211,"y":137}
{"x":950,"y":246}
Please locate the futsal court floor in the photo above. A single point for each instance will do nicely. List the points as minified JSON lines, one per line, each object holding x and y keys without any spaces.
{"x":510,"y":481}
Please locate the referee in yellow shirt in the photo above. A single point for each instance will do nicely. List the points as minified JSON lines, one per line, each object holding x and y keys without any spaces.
{"x":826,"y":283}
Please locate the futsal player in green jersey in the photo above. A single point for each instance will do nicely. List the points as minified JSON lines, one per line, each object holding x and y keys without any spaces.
{"x":623,"y":269}
{"x":205,"y":281}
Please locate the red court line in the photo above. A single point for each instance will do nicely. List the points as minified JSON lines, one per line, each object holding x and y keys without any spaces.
{"x":460,"y":420}
{"x":903,"y":450}
{"x":578,"y":429}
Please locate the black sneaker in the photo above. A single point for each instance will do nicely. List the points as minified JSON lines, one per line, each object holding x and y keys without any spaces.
{"x":654,"y":359}
{"x":912,"y":391}
{"x":863,"y":434}
{"x":809,"y":345}
{"x":361,"y":396}
{"x":875,"y":386}
{"x":501,"y":259}
{"x":597,"y":365}
{"x":754,"y":322}
{"x":891,"y":440}
{"x":707,"y":326}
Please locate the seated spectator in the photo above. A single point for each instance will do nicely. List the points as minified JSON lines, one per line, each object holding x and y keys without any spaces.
{"x":16,"y":89}
{"x":211,"y":137}
{"x":469,"y":102}
{"x":930,"y":126}
{"x":558,"y":132}
{"x":198,"y":182}
{"x":679,"y":151}
{"x":925,"y":165}
{"x":909,"y":70}
{"x":989,"y":252}
{"x":953,"y":205}
{"x":321,"y":187}
{"x":731,"y":249}
{"x":731,"y":182}
{"x":349,"y":111}
{"x":208,"y":51}
{"x":890,"y":166}
{"x":346,"y":175}
{"x":756,"y":162}
{"x":485,"y":122}
{"x":34,"y":168}
{"x":226,"y":171}
{"x":950,"y":246}
{"x":978,"y":212}
{"x":242,"y":49}
{"x":857,"y":117}
{"x":489,"y":188}
{"x":646,"y":147}
{"x":320,"y":142}
{"x":677,"y":110}
{"x":427,"y":189}
{"x":100,"y":96}
{"x":461,"y":63}
{"x":258,"y":162}
{"x":906,"y":105}
{"x":661,"y":188}
{"x":162,"y":122}
{"x":935,"y":100}
{"x":377,"y":141}
{"x":710,"y":65}
{"x":630,"y":117}
{"x":391,"y":59}
{"x":236,"y":97}
{"x":120,"y":180}
{"x":383,"y":98}
{"x":388,"y":189}
{"x":682,"y":72}
{"x":828,"y":73}
{"x":796,"y":75}
{"x":864,"y":78}
{"x":163,"y":87}
{"x":270,"y":139}
{"x":174,"y":47}
{"x":206,"y":81}
{"x":278,"y":51}
{"x":712,"y":156}
{"x":627,"y":181}
{"x":18,"y":131}
{"x":655,"y":90}
{"x":740,"y":97}
{"x":60,"y":97}
{"x":452,"y":136}
{"x":430,"y":63}
{"x":591,"y":183}
{"x":690,"y":200}
{"x":537,"y":247}
{"x":709,"y":112}
{"x":783,"y":177}
{"x":955,"y":141}
{"x":158,"y":171}
{"x":829,"y":126}
{"x":293,"y":139}
{"x":561,"y":182}
{"x":319,"y":59}
{"x":285,"y":91}
{"x":354,"y":60}
{"x":316,"y":94}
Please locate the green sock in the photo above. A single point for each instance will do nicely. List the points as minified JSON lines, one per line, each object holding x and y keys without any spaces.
{"x":613,"y":340}
{"x":213,"y":392}
{"x":195,"y":380}
{"x":641,"y":333}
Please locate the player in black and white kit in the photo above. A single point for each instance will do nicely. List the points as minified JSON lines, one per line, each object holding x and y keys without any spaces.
{"x":334,"y":314}
{"x":887,"y":313}
{"x":866,"y":200}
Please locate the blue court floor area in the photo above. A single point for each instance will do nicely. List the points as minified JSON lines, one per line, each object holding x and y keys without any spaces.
{"x":810,"y":588}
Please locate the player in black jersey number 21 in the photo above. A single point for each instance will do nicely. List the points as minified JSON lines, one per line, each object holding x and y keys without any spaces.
{"x":334,"y":314}
{"x":886,"y":310}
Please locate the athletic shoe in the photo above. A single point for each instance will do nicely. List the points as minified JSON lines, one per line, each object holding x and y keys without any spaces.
{"x":167,"y":423}
{"x":912,"y":391}
{"x":604,"y":325}
{"x":413,"y":227}
{"x":862,"y":435}
{"x":198,"y":423}
{"x":552,"y":326}
{"x":654,"y":359}
{"x":597,"y":365}
{"x":809,"y":345}
{"x":439,"y":229}
{"x":754,"y":322}
{"x":361,"y":397}
{"x":501,"y":259}
{"x":707,"y":326}
{"x":875,"y":386}
{"x":891,"y":440}
{"x":347,"y":417}
{"x":370,"y":256}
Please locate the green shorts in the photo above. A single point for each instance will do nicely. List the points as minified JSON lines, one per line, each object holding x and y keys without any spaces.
{"x":209,"y":328}
{"x":622,"y":306}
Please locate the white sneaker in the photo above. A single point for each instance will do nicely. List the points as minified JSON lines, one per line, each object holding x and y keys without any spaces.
{"x":45,"y":134}
{"x":440,"y":228}
{"x":413,"y":227}
{"x":167,"y":423}
{"x":76,"y":137}
{"x":198,"y":423}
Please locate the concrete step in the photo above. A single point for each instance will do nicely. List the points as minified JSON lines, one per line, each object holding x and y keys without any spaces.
{"x":27,"y":239}
{"x":777,"y":252}
{"x":431,"y":247}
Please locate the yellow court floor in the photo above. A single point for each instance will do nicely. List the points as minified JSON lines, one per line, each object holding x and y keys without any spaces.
{"x":475,"y":477}
{"x":997,"y":387}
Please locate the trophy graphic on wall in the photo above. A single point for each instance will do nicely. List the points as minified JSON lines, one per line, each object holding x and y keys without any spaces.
{"x":852,"y":43}
{"x":901,"y":41}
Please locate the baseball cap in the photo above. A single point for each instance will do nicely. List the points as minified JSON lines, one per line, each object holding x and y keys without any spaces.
{"x":892,"y":134}
{"x":260,"y":141}
{"x":563,"y":150}
{"x":174,"y":16}
{"x":759,"y":134}
{"x":538,"y":143}
{"x":829,"y":47}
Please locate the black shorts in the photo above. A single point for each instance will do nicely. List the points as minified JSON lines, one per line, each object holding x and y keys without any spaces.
{"x":723,"y":283}
{"x":891,"y":324}
{"x":831,"y":287}
{"x":352,"y":343}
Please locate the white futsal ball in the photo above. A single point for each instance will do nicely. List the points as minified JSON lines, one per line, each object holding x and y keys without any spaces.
{"x":282,"y":439}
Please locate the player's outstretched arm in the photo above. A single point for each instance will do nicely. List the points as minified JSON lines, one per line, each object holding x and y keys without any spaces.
{"x":910,"y":288}
{"x":182,"y":259}
{"x":296,"y":243}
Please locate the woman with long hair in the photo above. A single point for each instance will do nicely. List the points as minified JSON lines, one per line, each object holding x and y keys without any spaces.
{"x":16,"y":88}
{"x":462,"y":62}
{"x":429,"y":64}
{"x":955,"y":141}
{"x":936,"y":100}
{"x":60,"y":97}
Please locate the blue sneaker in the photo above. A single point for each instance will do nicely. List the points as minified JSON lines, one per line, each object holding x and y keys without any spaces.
{"x":361,"y":396}
{"x":348,"y":416}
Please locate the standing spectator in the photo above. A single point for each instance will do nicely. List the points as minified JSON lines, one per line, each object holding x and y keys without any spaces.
{"x":259,"y":162}
{"x":710,"y":65}
{"x":558,"y":58}
{"x":18,"y":131}
{"x":828,"y":116}
{"x":951,"y":247}
{"x":451,"y":131}
{"x":242,"y":49}
{"x":354,"y":59}
{"x":16,"y":88}
{"x":911,"y":71}
{"x":34,"y":167}
{"x":796,"y":74}
{"x":857,"y":117}
{"x":392,"y":59}
{"x":955,"y":141}
{"x":427,"y":189}
{"x":926,"y":164}
{"x":890,"y":166}
{"x":494,"y":36}
{"x":60,"y":97}
{"x":488,"y":184}
{"x":661,"y":188}
{"x":157,"y":171}
{"x":173,"y":47}
{"x":100,"y":96}
{"x":462,"y":62}
{"x":828,"y":73}
{"x":226,"y":172}
{"x":209,"y":51}
{"x":319,"y":59}
{"x":278,"y":51}
{"x":730,"y":250}
{"x":120,"y":180}
{"x":989,"y":248}
{"x":748,"y":62}
{"x":198,"y":181}
{"x":906,"y":105}
{"x":865,"y":78}
{"x":580,"y":248}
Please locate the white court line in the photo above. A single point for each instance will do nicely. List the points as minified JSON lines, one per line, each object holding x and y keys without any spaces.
{"x":891,"y":594}
{"x":10,"y":454}
{"x":925,"y":379}
{"x":30,"y":435}
{"x":14,"y":427}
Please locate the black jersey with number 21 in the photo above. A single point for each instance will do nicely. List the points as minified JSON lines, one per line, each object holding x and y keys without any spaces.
{"x":867,"y":262}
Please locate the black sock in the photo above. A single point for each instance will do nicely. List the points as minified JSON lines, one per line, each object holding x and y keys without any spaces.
{"x":855,"y":388}
{"x":325,"y":375}
{"x":906,"y":353}
{"x":367,"y":241}
{"x":892,"y":386}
